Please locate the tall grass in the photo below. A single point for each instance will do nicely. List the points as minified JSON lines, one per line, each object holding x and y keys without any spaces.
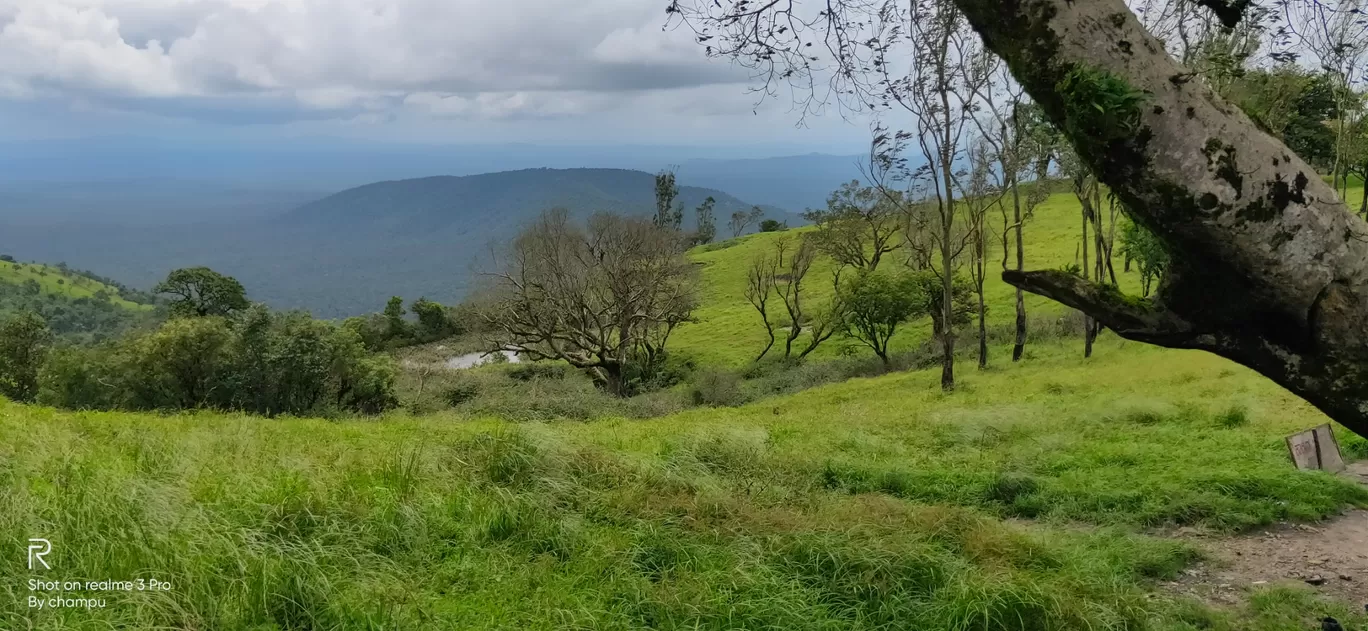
{"x":1022,"y":501}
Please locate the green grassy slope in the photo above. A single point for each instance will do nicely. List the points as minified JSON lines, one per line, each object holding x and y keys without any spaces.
{"x":728,"y":331}
{"x":53,"y":281}
{"x":1020,"y":502}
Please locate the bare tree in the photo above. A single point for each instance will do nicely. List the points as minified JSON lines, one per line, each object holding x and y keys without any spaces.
{"x":939,"y":96}
{"x":979,"y":194}
{"x":789,"y":285}
{"x":742,"y":220}
{"x":1022,"y":146}
{"x":598,"y":297}
{"x":760,"y":285}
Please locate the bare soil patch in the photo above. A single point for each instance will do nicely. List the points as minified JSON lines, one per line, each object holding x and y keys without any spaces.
{"x":1332,"y":556}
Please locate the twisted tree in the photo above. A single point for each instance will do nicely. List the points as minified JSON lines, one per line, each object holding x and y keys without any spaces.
{"x":1269,"y":268}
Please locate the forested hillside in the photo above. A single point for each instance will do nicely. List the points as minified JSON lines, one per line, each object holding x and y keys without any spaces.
{"x":74,"y":303}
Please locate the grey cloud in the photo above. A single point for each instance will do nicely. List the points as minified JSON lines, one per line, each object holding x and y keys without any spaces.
{"x":311,"y":58}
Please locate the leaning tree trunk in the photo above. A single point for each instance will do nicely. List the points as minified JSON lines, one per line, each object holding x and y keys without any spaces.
{"x":1269,"y":267}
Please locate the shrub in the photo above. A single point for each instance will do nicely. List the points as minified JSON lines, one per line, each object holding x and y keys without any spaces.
{"x":1233,"y":416}
{"x":24,"y":341}
{"x":718,"y":388}
{"x":772,"y":225}
{"x":531,"y":371}
{"x":462,"y":392}
{"x":259,"y":362}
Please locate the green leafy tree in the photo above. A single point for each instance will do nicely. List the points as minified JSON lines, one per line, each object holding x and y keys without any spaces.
{"x":858,"y":227}
{"x":202,"y":292}
{"x":669,"y":214}
{"x":1292,"y":104}
{"x":397,"y":327}
{"x":707,"y":222}
{"x":180,"y":366}
{"x":962,"y":305}
{"x":24,"y":343}
{"x":1148,"y":253}
{"x":876,"y":303}
{"x":434,"y":320}
{"x":772,"y":225}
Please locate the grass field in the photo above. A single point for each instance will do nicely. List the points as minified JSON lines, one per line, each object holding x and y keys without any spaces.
{"x":51,"y":280}
{"x":1022,"y":501}
{"x":1037,"y":496}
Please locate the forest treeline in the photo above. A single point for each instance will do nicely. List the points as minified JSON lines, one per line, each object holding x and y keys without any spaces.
{"x":211,"y":348}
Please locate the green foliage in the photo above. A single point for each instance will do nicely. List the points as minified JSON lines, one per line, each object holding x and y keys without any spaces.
{"x":1147,"y":251}
{"x":390,"y":330}
{"x":876,"y":303}
{"x":858,"y":227}
{"x":24,"y":344}
{"x":80,"y":309}
{"x":1098,"y":105}
{"x":669,"y":214}
{"x":396,"y":326}
{"x":259,"y":361}
{"x":202,"y":292}
{"x":963,"y":301}
{"x":435,"y":321}
{"x":1293,"y":104}
{"x":707,"y":222}
{"x":717,"y":388}
{"x":533,"y":371}
{"x":773,"y":225}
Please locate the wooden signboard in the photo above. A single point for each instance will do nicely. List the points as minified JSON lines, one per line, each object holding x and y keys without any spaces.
{"x":1316,"y":449}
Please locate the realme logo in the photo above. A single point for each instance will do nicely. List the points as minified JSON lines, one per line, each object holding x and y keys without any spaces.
{"x":39,"y":548}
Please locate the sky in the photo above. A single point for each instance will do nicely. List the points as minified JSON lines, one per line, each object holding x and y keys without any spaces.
{"x":422,"y":71}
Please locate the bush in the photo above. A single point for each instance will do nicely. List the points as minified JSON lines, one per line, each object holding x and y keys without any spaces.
{"x":718,"y":388}
{"x":24,"y":341}
{"x":772,"y":225}
{"x":1233,"y":416}
{"x":531,"y":371}
{"x":259,"y":361}
{"x":462,"y":392}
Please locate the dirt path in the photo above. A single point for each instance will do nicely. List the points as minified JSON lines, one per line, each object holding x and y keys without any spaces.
{"x":1332,"y":555}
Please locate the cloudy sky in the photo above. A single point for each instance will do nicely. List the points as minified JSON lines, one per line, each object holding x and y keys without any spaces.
{"x":536,"y":71}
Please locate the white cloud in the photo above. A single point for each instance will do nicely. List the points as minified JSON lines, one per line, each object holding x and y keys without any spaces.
{"x":462,"y":58}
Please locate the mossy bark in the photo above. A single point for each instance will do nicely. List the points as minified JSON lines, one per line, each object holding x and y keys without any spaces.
{"x":1270,"y":269}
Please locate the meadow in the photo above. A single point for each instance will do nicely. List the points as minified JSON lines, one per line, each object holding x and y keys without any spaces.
{"x":52,"y":280}
{"x":1035,"y":497}
{"x":1038,"y":495}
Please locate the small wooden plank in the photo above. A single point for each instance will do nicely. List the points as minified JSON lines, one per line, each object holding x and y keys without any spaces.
{"x":1327,"y":449}
{"x":1302,"y":446}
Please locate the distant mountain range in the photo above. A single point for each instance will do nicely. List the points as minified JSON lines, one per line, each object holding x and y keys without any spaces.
{"x":496,"y":204}
{"x":347,"y":253}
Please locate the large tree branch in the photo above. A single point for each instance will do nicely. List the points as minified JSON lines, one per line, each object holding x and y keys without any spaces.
{"x":1132,"y":318}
